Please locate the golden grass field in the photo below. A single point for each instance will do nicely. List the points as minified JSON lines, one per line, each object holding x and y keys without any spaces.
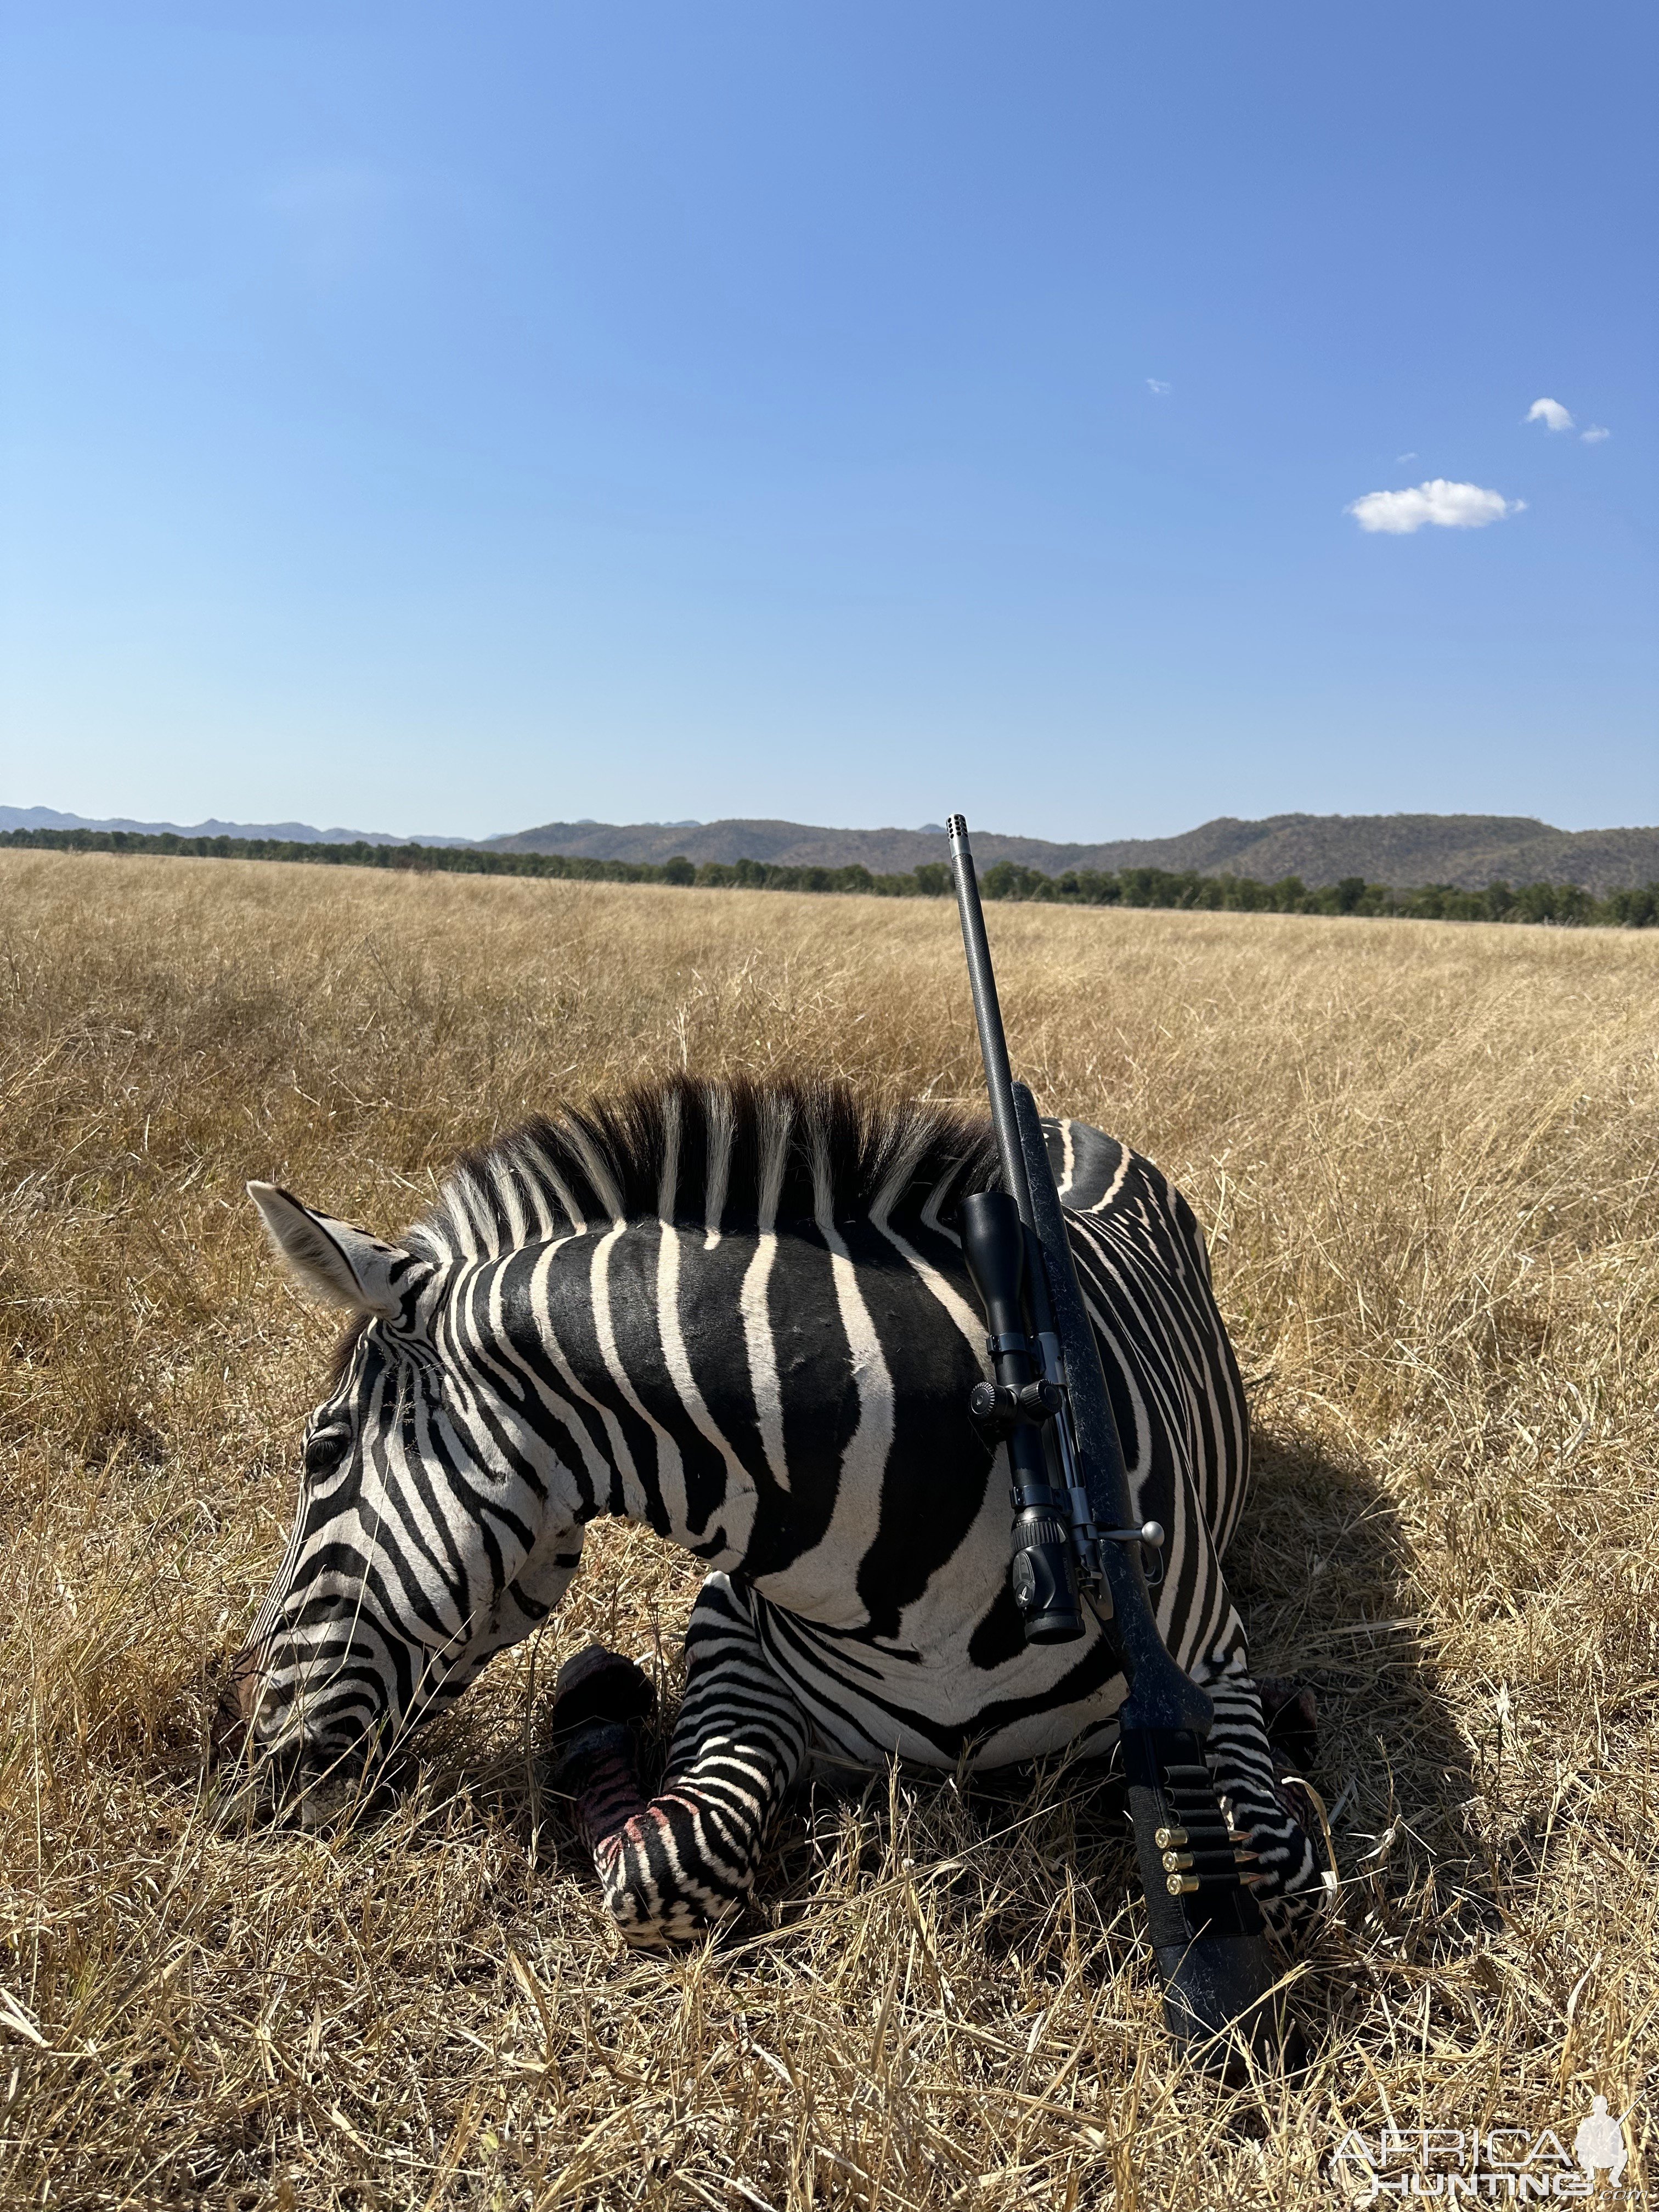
{"x":1429,"y":1158}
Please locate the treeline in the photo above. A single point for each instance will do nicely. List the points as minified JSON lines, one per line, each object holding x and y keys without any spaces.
{"x":1564,"y":904}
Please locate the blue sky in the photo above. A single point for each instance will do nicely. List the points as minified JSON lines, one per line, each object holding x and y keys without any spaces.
{"x":450,"y":419}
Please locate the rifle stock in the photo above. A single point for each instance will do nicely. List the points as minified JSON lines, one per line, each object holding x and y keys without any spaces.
{"x":1205,"y":1932}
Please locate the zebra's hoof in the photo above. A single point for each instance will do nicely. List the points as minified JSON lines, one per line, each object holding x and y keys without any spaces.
{"x":1292,"y":1722}
{"x":597,"y":1685}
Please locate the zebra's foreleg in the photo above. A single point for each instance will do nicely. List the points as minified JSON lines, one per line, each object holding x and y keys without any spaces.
{"x":1276,"y":1809}
{"x":672,"y":1864}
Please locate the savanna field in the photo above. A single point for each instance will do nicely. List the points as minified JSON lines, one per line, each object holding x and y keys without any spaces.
{"x":1428,"y":1156}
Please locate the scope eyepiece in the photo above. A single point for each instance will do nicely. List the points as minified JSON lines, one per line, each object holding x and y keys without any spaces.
{"x":1043,"y":1577}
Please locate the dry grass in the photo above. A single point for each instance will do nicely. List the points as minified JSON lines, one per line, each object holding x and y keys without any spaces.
{"x":1429,"y":1155}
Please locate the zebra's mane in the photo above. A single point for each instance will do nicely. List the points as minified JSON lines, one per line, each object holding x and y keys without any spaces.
{"x":719,"y":1156}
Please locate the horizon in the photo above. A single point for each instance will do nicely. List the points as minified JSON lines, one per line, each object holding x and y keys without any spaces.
{"x":823,"y":417}
{"x":225,"y":825}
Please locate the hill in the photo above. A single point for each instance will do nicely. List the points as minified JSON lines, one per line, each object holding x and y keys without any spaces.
{"x":292,"y":833}
{"x":1467,"y":850}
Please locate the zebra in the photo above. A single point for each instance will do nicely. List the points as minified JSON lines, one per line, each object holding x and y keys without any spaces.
{"x":738,"y":1312}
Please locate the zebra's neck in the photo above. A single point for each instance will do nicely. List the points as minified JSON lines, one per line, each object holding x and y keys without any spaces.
{"x":738,"y":1394}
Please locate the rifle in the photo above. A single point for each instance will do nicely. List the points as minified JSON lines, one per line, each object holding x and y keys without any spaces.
{"x":1075,"y":1543}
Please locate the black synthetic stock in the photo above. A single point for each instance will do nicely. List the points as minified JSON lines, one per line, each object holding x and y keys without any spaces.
{"x":1209,"y":1945}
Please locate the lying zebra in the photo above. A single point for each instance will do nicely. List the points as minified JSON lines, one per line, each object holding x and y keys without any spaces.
{"x":739,"y":1313}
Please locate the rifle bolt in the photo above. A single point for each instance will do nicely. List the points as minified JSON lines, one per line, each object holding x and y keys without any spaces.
{"x":1169,"y":1839}
{"x":1182,"y":1885}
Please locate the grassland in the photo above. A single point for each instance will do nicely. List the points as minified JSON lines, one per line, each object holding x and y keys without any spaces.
{"x":1428,"y":1157}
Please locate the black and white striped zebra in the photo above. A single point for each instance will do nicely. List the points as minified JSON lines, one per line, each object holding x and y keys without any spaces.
{"x":739,"y":1314}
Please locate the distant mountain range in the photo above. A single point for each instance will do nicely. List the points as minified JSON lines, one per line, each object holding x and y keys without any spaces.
{"x":1468,"y":850}
{"x":1406,"y":850}
{"x":292,"y":833}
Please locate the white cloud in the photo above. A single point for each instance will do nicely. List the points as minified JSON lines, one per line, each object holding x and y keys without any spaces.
{"x":1156,"y":386}
{"x":1550,"y":411}
{"x":1594,"y":434}
{"x":1447,"y":506}
{"x":1399,"y":458}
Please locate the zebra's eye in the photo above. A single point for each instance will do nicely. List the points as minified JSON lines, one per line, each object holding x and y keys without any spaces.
{"x":323,"y":1453}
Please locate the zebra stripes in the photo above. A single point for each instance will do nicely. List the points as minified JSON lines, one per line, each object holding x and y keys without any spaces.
{"x":739,"y":1314}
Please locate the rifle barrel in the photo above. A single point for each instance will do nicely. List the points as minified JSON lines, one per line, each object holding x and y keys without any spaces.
{"x":987,"y":1013}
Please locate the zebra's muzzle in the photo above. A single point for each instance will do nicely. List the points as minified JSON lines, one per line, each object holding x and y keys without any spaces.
{"x":293,"y":1776}
{"x":305,"y":1782}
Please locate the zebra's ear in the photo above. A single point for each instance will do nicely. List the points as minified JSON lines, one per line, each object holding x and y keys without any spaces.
{"x":346,"y":1265}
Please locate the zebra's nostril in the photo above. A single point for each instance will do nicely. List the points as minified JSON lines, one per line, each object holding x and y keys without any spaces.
{"x":236,"y":1681}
